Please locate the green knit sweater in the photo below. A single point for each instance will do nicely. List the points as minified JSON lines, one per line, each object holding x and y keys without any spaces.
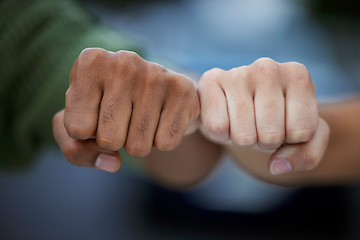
{"x":39,"y":42}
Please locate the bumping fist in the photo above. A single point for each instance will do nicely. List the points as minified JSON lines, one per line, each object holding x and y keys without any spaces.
{"x":118,"y":100}
{"x":267,"y":104}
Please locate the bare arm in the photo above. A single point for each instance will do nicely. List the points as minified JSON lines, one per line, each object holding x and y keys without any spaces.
{"x":118,"y":100}
{"x":266,"y":115}
{"x":341,"y":162}
{"x":186,"y":165}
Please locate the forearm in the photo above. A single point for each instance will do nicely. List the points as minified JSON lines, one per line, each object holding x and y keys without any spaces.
{"x":188,"y":164}
{"x":341,"y":162}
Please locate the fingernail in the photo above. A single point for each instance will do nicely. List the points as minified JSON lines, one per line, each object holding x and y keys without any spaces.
{"x":280,"y":166}
{"x":106,"y":162}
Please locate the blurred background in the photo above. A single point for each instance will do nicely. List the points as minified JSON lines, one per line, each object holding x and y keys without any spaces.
{"x":53,"y":200}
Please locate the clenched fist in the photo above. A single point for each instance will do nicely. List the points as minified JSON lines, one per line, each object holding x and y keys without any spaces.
{"x":268,"y":104}
{"x":118,"y":100}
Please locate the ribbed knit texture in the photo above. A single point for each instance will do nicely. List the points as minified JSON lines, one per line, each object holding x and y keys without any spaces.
{"x":39,"y":42}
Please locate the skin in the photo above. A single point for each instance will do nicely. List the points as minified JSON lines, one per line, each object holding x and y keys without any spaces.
{"x":265,"y":114}
{"x":340,"y":163}
{"x":118,"y":100}
{"x":261,"y":108}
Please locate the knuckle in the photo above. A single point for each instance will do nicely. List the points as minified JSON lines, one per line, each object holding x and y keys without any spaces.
{"x":157,"y":71}
{"x":214,"y":71}
{"x":176,"y":127}
{"x":80,"y":126}
{"x":239,"y":73}
{"x":127,"y":61}
{"x":264,"y":65}
{"x":109,"y":144}
{"x":299,"y":136}
{"x":301,"y":75}
{"x":244,"y":139}
{"x":165,"y":144}
{"x":90,"y":57}
{"x":128,"y":56}
{"x":181,"y":87}
{"x":73,"y":95}
{"x":264,"y":61}
{"x":154,"y":81}
{"x":216,"y":128}
{"x":153,"y":77}
{"x":300,"y":69}
{"x":77,"y":132}
{"x":125,"y":66}
{"x":169,"y":140}
{"x":137,"y":149}
{"x":87,"y":65}
{"x":271,"y":139}
{"x":71,"y":153}
{"x":108,"y":113}
{"x":212,"y":74}
{"x":240,"y":69}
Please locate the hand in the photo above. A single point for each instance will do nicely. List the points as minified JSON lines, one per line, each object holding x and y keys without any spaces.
{"x":267,"y":104}
{"x":118,"y":100}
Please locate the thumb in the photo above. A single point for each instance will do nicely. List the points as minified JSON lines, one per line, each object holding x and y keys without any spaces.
{"x":85,"y":153}
{"x":303,"y":156}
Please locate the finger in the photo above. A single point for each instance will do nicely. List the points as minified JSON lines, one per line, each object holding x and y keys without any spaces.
{"x":84,"y":94}
{"x":114,"y":119}
{"x":239,"y":96}
{"x":303,"y":156}
{"x":171,"y":129}
{"x":269,"y":105}
{"x":214,"y":111}
{"x":83,"y":153}
{"x":301,"y":104}
{"x":144,"y":121}
{"x":181,"y":108}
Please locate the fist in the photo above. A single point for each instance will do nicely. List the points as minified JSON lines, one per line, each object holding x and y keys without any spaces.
{"x":267,"y":104}
{"x":118,"y":100}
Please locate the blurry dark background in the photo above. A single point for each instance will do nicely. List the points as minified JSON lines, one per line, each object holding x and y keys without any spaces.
{"x":54,"y":200}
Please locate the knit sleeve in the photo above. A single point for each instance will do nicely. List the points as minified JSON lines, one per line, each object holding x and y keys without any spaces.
{"x":39,"y":42}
